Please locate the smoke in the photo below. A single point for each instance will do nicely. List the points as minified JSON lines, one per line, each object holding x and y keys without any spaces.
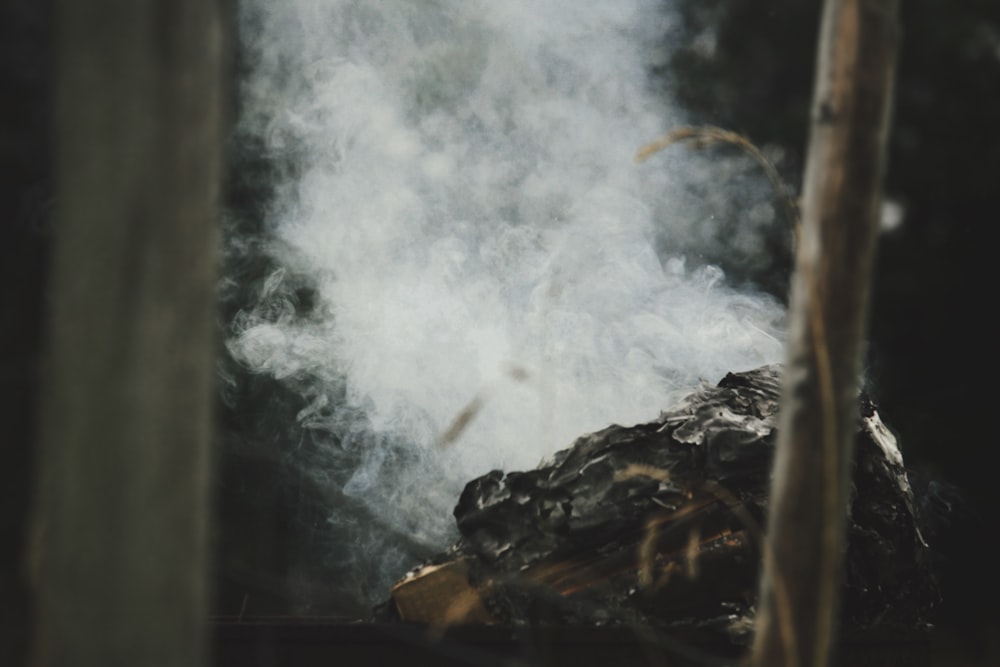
{"x":491,"y":273}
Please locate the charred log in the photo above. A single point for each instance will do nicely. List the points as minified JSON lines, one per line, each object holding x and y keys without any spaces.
{"x":659,"y":524}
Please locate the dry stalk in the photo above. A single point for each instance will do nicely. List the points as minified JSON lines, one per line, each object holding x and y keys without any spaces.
{"x":702,"y":136}
{"x":462,"y":420}
{"x":691,"y":553}
{"x":647,"y":547}
{"x":699,"y":137}
{"x":647,"y":553}
{"x":642,"y":470}
{"x":666,"y":574}
{"x":478,"y":402}
{"x":782,"y":603}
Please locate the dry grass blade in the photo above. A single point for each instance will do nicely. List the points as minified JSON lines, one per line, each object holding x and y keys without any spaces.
{"x":517,"y":373}
{"x":700,"y":137}
{"x":642,"y":470}
{"x":462,"y":421}
{"x":666,"y":574}
{"x":691,"y":553}
{"x":708,"y":135}
{"x":782,"y":603}
{"x":475,"y":406}
{"x":647,"y":553}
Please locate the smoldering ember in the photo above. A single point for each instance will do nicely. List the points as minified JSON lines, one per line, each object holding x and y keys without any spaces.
{"x":659,"y":525}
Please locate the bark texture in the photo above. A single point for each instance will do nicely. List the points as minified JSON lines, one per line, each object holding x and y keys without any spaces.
{"x":828,"y":316}
{"x":122,"y":542}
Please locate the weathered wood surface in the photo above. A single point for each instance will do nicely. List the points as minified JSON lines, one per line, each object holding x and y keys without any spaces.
{"x":122,"y":526}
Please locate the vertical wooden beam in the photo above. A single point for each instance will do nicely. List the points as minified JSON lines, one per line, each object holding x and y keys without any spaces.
{"x":126,"y":414}
{"x":799,"y":597}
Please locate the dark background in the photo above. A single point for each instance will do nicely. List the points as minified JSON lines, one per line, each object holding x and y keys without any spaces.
{"x":930,"y":355}
{"x":929,"y":363}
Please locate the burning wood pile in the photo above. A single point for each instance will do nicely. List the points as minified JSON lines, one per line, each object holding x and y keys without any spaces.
{"x":660,"y":524}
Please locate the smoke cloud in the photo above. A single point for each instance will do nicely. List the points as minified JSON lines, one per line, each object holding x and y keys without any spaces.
{"x":458,"y":185}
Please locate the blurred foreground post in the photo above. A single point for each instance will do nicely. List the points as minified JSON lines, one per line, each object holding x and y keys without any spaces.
{"x":126,"y":414}
{"x":800,"y":588}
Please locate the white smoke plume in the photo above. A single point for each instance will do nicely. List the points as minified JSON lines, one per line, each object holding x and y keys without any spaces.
{"x":463,"y":195}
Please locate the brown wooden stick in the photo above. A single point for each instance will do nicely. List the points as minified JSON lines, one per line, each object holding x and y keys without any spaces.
{"x":827,"y":318}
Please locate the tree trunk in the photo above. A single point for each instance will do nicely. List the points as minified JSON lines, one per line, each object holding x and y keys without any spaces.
{"x":799,"y":598}
{"x":126,"y":413}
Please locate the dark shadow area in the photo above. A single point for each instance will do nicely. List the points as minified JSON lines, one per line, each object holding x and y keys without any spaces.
{"x":25,"y":208}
